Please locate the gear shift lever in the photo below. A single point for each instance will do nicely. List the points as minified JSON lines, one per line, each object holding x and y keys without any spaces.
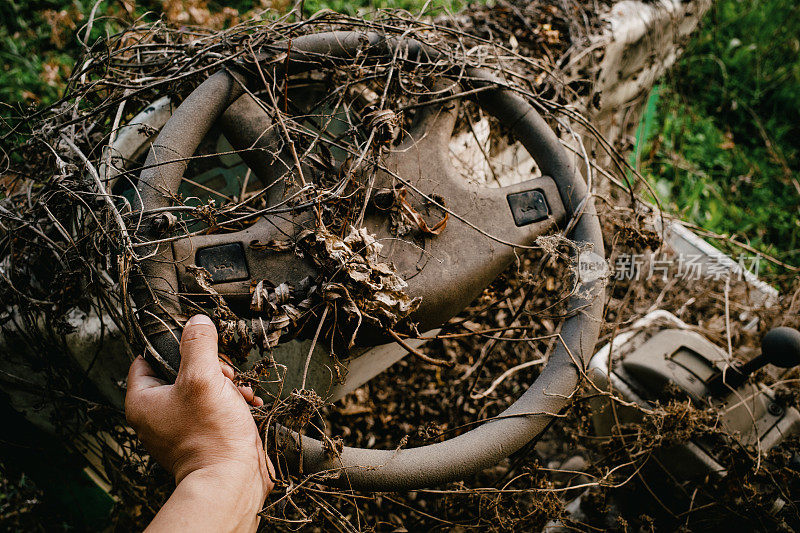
{"x":779,"y":347}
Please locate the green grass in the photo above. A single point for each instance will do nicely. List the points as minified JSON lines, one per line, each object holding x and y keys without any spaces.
{"x":724,"y":153}
{"x":33,"y":69}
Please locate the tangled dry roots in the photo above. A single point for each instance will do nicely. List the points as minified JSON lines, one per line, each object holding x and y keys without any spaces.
{"x":67,"y":248}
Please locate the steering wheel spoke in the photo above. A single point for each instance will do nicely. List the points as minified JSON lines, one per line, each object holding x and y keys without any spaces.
{"x":253,"y":134}
{"x":236,"y":261}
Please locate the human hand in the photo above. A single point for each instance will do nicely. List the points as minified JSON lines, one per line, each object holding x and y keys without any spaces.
{"x":200,"y":425}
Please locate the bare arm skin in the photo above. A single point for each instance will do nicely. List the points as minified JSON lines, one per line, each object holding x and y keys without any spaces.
{"x":201,"y":430}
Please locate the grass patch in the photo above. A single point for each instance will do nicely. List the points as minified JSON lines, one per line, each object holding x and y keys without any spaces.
{"x":724,"y":153}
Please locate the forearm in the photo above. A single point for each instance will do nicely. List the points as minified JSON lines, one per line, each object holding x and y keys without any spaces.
{"x":210,"y":501}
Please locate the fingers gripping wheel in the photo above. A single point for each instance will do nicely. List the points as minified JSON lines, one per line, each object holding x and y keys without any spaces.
{"x":445,"y":271}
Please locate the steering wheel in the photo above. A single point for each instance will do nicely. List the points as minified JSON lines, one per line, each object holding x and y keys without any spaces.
{"x":467,"y":259}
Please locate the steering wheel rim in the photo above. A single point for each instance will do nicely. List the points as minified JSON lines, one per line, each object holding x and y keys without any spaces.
{"x":371,"y":469}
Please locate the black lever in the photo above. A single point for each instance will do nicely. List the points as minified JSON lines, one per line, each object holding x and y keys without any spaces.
{"x":779,"y":347}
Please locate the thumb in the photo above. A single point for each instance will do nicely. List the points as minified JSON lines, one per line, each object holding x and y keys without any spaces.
{"x":199,"y":348}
